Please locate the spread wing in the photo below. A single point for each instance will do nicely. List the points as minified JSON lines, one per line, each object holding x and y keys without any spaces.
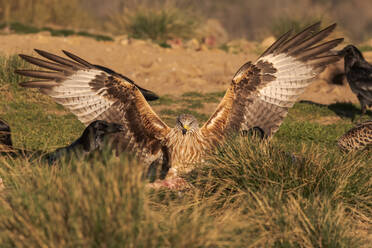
{"x":261,"y":94}
{"x":62,"y":62}
{"x":93,"y":93}
{"x":148,"y":94}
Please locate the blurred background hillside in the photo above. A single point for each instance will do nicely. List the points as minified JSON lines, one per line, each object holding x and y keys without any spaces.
{"x":160,"y":20}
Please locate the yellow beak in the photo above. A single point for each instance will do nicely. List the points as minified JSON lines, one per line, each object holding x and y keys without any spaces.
{"x":185,"y":128}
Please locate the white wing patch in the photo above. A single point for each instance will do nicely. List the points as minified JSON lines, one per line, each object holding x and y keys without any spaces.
{"x":292,"y":77}
{"x":77,"y":95}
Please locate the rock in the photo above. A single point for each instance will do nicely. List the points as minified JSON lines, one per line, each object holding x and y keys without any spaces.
{"x":44,"y":33}
{"x":122,"y":40}
{"x":212,"y":33}
{"x":192,"y":44}
{"x":203,"y":47}
{"x":240,"y":45}
{"x":175,"y":43}
{"x":136,"y":42}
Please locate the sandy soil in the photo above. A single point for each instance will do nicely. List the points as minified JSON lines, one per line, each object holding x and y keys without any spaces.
{"x":168,"y":71}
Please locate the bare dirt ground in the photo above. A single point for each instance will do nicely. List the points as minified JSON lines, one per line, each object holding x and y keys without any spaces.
{"x":170,"y":71}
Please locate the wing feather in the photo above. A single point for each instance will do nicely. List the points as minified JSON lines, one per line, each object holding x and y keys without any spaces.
{"x":95,"y":94}
{"x":261,"y":94}
{"x":298,"y":38}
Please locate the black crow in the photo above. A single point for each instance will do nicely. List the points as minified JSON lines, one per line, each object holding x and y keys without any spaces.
{"x":359,"y":75}
{"x":5,"y":138}
{"x":92,"y":139}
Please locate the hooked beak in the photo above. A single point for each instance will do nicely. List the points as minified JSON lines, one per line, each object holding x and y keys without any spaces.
{"x":185,"y":128}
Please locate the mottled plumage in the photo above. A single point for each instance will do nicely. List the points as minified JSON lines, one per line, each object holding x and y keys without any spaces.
{"x":357,"y":138}
{"x":259,"y":97}
{"x":359,"y":75}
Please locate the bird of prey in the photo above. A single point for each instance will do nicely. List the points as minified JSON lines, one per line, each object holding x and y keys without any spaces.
{"x":359,"y":75}
{"x":259,"y":95}
{"x":92,"y":139}
{"x":357,"y":138}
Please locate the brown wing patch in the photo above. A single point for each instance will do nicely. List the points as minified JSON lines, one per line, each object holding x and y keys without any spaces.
{"x":94,"y":92}
{"x":144,"y":132}
{"x":261,"y":93}
{"x":230,"y":115}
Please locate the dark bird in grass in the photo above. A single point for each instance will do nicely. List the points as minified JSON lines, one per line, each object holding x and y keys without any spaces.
{"x":5,"y":143}
{"x":5,"y":138}
{"x":359,"y":75}
{"x":92,"y":139}
{"x":259,"y":95}
{"x":357,"y":138}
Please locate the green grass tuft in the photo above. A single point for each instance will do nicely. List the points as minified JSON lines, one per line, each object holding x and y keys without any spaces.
{"x":8,"y":64}
{"x":95,"y":36}
{"x":60,"y":32}
{"x":163,"y":100}
{"x":160,"y":25}
{"x":365,"y":48}
{"x":21,"y":28}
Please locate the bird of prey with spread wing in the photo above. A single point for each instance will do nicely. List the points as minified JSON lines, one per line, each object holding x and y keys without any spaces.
{"x":259,"y":96}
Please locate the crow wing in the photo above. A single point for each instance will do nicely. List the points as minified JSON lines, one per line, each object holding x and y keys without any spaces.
{"x":361,"y":76}
{"x":260,"y":94}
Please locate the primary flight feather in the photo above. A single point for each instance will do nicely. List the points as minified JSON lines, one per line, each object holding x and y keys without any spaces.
{"x":259,"y":96}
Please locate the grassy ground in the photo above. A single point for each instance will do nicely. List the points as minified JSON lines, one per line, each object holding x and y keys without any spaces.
{"x":250,"y":194}
{"x":20,"y":28}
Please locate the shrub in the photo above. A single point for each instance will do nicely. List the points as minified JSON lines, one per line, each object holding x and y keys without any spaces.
{"x":157,"y":25}
{"x":41,"y":12}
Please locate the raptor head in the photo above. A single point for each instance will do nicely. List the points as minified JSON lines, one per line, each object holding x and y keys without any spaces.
{"x":94,"y":135}
{"x":187,"y":123}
